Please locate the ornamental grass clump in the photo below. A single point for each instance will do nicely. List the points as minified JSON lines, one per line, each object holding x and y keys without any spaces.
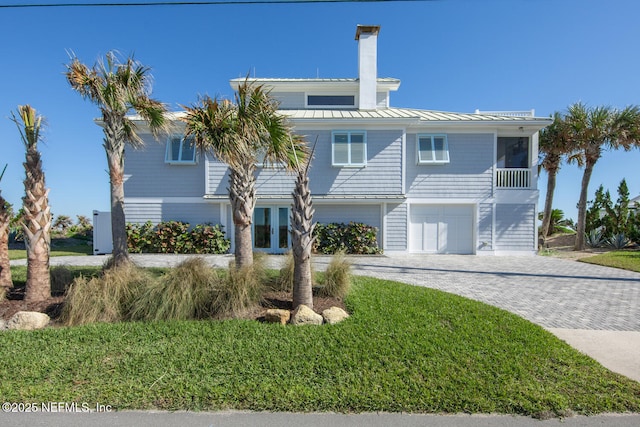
{"x":337,"y":277}
{"x":106,"y":298}
{"x":183,"y":293}
{"x":241,"y":290}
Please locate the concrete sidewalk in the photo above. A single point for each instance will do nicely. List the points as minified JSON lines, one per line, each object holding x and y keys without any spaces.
{"x":279,"y":419}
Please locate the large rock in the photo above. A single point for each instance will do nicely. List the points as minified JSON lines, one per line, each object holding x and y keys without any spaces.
{"x":28,"y":321}
{"x":3,"y":324}
{"x":276,"y":315}
{"x":303,"y":315}
{"x":334,"y":315}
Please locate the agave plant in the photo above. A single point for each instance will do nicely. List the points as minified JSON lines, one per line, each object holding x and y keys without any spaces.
{"x":594,"y":238}
{"x":618,"y":241}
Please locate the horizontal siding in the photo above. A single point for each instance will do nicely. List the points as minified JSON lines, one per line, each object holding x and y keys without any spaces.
{"x":368,"y":214}
{"x":217,"y":180}
{"x":192,"y":213}
{"x":396,"y":236}
{"x":382,"y":174}
{"x":485,"y":226}
{"x":139,"y":213}
{"x":147,"y":175}
{"x":290,"y":100}
{"x":515,"y":227}
{"x":384,"y":158}
{"x":271,"y":180}
{"x":469,"y":173}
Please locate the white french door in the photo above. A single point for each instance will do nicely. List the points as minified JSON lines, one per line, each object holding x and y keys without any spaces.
{"x":271,"y":229}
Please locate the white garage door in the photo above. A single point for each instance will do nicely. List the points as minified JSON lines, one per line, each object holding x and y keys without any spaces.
{"x":441,"y":229}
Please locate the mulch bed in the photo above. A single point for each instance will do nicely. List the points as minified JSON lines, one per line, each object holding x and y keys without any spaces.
{"x":53,"y":306}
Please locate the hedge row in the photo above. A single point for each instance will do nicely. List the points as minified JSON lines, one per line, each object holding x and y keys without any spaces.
{"x":176,"y":237}
{"x":352,"y":238}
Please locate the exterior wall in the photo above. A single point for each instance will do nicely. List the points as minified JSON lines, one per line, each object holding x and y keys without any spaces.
{"x":485,"y":227}
{"x":381,"y":175}
{"x":395,"y":237}
{"x":156,"y":211}
{"x":469,"y":174}
{"x":368,"y":214}
{"x":147,"y":174}
{"x":515,"y":227}
{"x":290,"y":100}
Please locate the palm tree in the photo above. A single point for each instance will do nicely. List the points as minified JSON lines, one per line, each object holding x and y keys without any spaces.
{"x":36,"y":219}
{"x":238,"y":133}
{"x":554,"y":144}
{"x":302,"y":237}
{"x":118,"y":88}
{"x":6,"y":282}
{"x":592,"y":130}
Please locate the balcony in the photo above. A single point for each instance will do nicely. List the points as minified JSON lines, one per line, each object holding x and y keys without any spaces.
{"x":513,"y":178}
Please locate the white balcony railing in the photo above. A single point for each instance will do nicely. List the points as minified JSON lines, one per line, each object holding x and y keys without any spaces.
{"x":513,"y":178}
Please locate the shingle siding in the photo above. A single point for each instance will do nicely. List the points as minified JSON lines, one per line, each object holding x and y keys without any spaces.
{"x":469,"y":173}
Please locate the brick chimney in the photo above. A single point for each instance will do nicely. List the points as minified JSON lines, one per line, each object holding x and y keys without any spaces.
{"x":367,"y":36}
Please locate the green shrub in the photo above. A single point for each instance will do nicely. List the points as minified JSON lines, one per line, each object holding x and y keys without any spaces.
{"x":241,"y":290}
{"x":337,"y":277}
{"x":175,"y":237}
{"x":353,"y":238}
{"x":184,"y":293}
{"x":106,"y":298}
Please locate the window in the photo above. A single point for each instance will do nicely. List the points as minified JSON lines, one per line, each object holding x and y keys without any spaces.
{"x":331,"y":101}
{"x":349,"y":149}
{"x":180,"y":150}
{"x":513,"y":152}
{"x":433,"y":149}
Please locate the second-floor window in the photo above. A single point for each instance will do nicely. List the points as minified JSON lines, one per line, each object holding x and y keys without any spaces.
{"x":180,"y":150}
{"x":433,"y":149}
{"x":513,"y":152}
{"x":349,"y":148}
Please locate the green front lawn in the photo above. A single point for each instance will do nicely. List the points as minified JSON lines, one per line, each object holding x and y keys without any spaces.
{"x":63,"y":250}
{"x":627,"y":260}
{"x":405,"y":348}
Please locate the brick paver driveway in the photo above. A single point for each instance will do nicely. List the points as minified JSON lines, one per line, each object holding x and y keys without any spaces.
{"x":552,"y":292}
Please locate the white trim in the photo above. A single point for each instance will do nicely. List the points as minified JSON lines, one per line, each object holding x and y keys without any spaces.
{"x":180,"y":162}
{"x":403,"y":159}
{"x":330,"y":106}
{"x":432,"y":137}
{"x":383,"y":225}
{"x":349,"y":133}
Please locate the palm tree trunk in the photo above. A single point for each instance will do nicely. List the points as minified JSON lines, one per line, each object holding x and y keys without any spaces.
{"x":37,"y":229}
{"x":6,"y":282}
{"x":302,"y":241}
{"x":242,"y":194}
{"x":552,"y":172}
{"x":582,"y":205}
{"x":114,"y":148}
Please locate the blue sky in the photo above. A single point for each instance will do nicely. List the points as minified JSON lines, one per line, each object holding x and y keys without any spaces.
{"x":451,"y":55}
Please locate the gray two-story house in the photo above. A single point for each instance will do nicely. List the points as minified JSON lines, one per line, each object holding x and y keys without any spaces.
{"x":430,"y":181}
